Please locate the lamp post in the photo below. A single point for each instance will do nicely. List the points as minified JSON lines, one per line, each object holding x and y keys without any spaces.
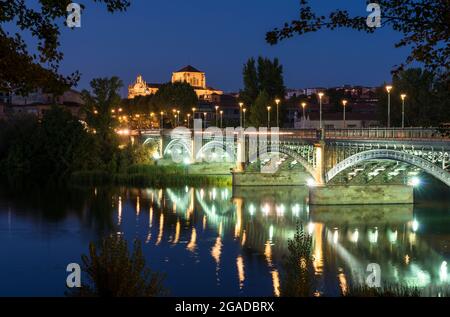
{"x":388,"y":89}
{"x":178,"y":117}
{"x":344,"y":103}
{"x":217,"y":115}
{"x":277,"y":101}
{"x":188,"y":119}
{"x":162,"y":120}
{"x":403,"y":96}
{"x":304,"y":114}
{"x":268,"y":117}
{"x":193,"y":115}
{"x":320,"y":115}
{"x":204,"y":118}
{"x":244,"y":111}
{"x":241,"y":104}
{"x":221,"y":118}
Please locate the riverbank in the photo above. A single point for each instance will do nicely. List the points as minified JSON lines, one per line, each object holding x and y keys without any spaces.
{"x":150,"y":175}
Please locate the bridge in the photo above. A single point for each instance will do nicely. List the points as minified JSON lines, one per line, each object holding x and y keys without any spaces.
{"x":338,"y":156}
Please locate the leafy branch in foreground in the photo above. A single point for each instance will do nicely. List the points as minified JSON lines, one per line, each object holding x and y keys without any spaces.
{"x":424,"y":25}
{"x":298,"y":266}
{"x":114,"y":272}
{"x":22,"y":71}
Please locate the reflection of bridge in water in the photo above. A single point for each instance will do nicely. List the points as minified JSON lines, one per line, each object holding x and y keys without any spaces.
{"x":345,"y":239}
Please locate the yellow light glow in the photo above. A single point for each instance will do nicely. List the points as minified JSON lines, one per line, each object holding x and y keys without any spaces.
{"x":389,"y":88}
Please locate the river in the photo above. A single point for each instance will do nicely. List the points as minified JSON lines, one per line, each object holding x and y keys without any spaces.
{"x":216,"y":242}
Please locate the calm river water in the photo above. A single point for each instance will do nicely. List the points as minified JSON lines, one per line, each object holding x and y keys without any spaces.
{"x":213,"y":242}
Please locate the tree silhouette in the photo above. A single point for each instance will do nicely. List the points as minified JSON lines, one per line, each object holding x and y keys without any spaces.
{"x":424,"y":25}
{"x":21,"y":71}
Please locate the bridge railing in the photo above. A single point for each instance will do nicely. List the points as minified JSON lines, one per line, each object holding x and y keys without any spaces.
{"x":348,"y":134}
{"x":387,"y":133}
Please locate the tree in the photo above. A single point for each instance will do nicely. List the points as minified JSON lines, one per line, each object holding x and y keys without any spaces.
{"x":113,"y":271}
{"x":51,"y":148}
{"x":426,"y":104}
{"x":258,"y":110}
{"x":424,"y":25}
{"x":98,"y":109}
{"x":251,"y":84}
{"x":66,"y":145}
{"x":21,"y":71}
{"x":297,"y":276}
{"x":263,"y":83}
{"x":179,"y":95}
{"x":270,"y":77}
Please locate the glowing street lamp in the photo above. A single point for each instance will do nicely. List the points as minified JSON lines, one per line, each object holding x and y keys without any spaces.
{"x":304,"y":114}
{"x":321,"y":94}
{"x":244,"y":111}
{"x":178,"y":117}
{"x":188,"y":119}
{"x":388,"y":89}
{"x":344,"y":103}
{"x":217,"y":115}
{"x":162,"y":120}
{"x":193,"y":115}
{"x":403,"y":96}
{"x":241,"y":104}
{"x":277,"y":101}
{"x":204,"y":118}
{"x":268,"y":117}
{"x":221,"y":118}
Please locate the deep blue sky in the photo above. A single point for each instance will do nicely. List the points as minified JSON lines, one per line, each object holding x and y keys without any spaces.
{"x":155,"y":38}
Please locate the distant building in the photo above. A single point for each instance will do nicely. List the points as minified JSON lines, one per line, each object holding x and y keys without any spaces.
{"x":38,"y":102}
{"x":334,"y":120}
{"x":188,"y":74}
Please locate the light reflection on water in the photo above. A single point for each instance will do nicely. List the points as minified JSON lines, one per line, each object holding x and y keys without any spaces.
{"x":216,"y":242}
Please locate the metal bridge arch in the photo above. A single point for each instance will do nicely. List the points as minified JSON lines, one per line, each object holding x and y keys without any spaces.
{"x":425,"y":165}
{"x":282,"y":150}
{"x":184,"y":143}
{"x":215,"y":145}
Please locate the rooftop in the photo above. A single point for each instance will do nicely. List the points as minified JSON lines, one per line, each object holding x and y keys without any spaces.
{"x":189,"y":69}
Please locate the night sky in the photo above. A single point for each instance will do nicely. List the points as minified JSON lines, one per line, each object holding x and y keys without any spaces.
{"x":155,"y":38}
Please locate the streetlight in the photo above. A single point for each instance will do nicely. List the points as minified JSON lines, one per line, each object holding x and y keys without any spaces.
{"x":241,"y":104}
{"x":403,"y":96}
{"x":244,"y":111}
{"x":221,"y":118}
{"x":268,"y":117}
{"x":162,"y":120}
{"x":217,"y":116}
{"x":204,"y":118}
{"x":304,"y":114}
{"x":188,"y":119}
{"x":388,"y":89}
{"x":277,"y":101}
{"x":320,"y":116}
{"x":178,"y":117}
{"x":193,"y":115}
{"x":344,"y":103}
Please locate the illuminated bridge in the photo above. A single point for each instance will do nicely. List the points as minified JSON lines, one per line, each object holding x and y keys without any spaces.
{"x":330,"y":157}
